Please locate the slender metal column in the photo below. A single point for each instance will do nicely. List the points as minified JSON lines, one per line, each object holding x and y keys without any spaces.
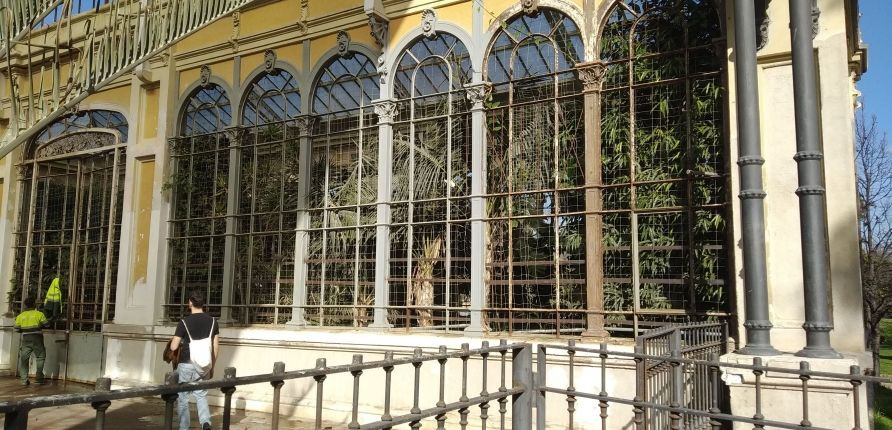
{"x":592,"y":74}
{"x":478,"y":93}
{"x":301,"y":236}
{"x":812,"y":209}
{"x":386,"y":111}
{"x":749,"y":160}
{"x":233,"y":136}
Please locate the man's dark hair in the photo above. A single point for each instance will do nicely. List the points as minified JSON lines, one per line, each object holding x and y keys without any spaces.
{"x":28,"y":303}
{"x":197,"y":300}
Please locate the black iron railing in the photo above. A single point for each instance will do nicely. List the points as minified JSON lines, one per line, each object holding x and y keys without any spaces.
{"x":517,"y":387}
{"x":693,"y":387}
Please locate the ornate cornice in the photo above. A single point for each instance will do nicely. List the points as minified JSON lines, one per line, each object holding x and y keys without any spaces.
{"x":591,"y":74}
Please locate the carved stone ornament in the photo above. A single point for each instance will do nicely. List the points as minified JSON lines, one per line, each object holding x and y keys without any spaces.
{"x":269,"y":60}
{"x":530,"y":7}
{"x":75,"y":142}
{"x":205,"y":79}
{"x":763,"y":21}
{"x":815,"y":18}
{"x":382,"y":69}
{"x":236,"y":23}
{"x":304,"y":124}
{"x":386,"y":111}
{"x":379,"y":28}
{"x":343,"y":43}
{"x":233,"y":134}
{"x":429,"y":22}
{"x":304,"y":13}
{"x":591,"y":74}
{"x":478,"y":93}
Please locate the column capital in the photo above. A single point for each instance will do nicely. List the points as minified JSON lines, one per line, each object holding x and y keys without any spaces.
{"x":304,"y":124}
{"x":386,"y":110}
{"x":233,"y":134}
{"x":591,"y":74}
{"x":478,"y":93}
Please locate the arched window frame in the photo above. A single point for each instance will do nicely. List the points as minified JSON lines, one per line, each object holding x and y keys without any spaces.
{"x":266,"y":211}
{"x":76,"y":164}
{"x":698,"y":191}
{"x":519,"y":297}
{"x":200,"y":187}
{"x":341,"y":203}
{"x":430,"y":279}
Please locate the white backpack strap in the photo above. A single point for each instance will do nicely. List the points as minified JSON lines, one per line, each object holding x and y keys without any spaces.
{"x":187,"y":329}
{"x":213,"y":322}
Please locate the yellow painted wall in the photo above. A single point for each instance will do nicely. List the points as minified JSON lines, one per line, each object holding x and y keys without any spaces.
{"x":321,"y":45}
{"x":149,"y":123}
{"x":117,"y":99}
{"x":271,"y":16}
{"x":221,"y":70}
{"x":142,"y":211}
{"x":215,"y":33}
{"x":324,"y":8}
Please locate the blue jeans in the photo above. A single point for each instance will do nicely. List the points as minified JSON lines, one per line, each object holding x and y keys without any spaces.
{"x":187,"y":373}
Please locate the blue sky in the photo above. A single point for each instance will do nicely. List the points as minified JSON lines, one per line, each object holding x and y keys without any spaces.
{"x":875,"y":85}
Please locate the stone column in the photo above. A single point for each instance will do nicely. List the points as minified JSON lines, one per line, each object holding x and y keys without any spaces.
{"x":233,"y":136}
{"x":386,"y":111}
{"x":301,"y":236}
{"x":478,"y":93}
{"x":592,"y":74}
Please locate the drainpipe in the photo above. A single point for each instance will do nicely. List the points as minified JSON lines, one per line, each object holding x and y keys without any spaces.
{"x":812,"y":209}
{"x":749,"y":159}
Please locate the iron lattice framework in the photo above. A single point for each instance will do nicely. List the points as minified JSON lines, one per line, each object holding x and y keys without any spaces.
{"x":69,"y":223}
{"x":535,"y":196}
{"x":58,"y":52}
{"x":342,"y":193}
{"x":430,"y":232}
{"x":664,"y":160}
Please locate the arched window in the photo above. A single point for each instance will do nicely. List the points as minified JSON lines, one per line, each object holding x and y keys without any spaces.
{"x":343,"y":191}
{"x":70,"y":217}
{"x":267,"y":206}
{"x":430,"y":262}
{"x":81,"y":121}
{"x":664,"y":158}
{"x":199,"y":189}
{"x":535,"y":249}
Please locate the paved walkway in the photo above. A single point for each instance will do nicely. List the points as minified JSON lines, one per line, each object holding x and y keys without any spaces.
{"x":126,"y":414}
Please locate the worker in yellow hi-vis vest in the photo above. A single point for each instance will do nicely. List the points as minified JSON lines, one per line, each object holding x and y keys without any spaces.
{"x":30,"y":324}
{"x":52,"y":303}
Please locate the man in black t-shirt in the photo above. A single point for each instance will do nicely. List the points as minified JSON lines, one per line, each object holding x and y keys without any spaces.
{"x":196,"y":326}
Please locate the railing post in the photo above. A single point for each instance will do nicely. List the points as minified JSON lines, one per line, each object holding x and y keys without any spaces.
{"x":102,"y":385}
{"x":571,"y":398}
{"x":677,"y":376}
{"x":354,"y":422}
{"x":522,"y":375}
{"x":540,"y":383}
{"x":320,"y":380}
{"x":856,"y":395}
{"x":463,"y":411}
{"x":228,"y":374}
{"x":278,"y":369}
{"x":388,"y":375}
{"x":441,"y":417}
{"x":503,"y":402}
{"x":804,"y":367}
{"x":171,"y":379}
{"x":758,"y":417}
{"x":602,"y":402}
{"x":16,"y":420}
{"x":640,"y":375}
{"x":416,"y":363}
{"x":716,"y":392}
{"x":484,"y":406}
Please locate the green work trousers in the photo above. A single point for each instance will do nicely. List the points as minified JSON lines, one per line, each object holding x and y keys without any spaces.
{"x":31,"y":344}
